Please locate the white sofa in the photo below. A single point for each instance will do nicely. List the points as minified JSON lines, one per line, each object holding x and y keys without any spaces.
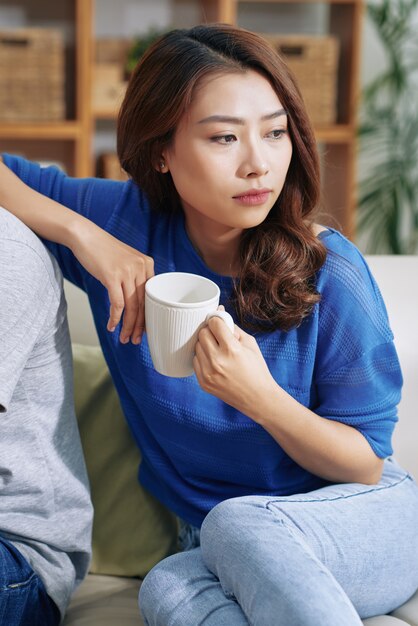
{"x":112,"y":601}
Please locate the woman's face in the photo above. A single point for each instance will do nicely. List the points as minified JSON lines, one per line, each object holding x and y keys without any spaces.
{"x":233,"y":142}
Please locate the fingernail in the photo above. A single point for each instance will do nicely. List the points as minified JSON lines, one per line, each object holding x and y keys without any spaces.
{"x":124,"y":339}
{"x":112,"y":330}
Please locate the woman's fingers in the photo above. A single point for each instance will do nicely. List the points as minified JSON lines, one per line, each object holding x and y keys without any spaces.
{"x":207,"y":341}
{"x":127,"y":296}
{"x":117,"y":303}
{"x":201,"y":364}
{"x":131,"y":311}
{"x":139,"y":325}
{"x":221,"y":333}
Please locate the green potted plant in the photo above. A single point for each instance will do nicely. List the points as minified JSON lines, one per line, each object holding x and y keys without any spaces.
{"x":388,"y":185}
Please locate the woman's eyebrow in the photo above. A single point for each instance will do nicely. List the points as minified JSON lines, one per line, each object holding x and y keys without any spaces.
{"x":228,"y":119}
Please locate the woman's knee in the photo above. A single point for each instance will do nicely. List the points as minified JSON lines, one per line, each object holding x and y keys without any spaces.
{"x":226,"y":530}
{"x":155,"y":588}
{"x":167,"y":585}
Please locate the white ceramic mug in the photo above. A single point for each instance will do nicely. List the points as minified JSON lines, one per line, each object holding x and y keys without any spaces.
{"x":177,"y":305}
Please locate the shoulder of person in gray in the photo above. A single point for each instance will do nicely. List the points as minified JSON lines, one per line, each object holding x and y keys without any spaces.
{"x":45,"y":507}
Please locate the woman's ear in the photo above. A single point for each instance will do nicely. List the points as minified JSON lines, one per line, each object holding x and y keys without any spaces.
{"x":162,"y":166}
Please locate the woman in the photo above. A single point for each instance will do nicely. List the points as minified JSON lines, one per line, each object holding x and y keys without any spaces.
{"x":277,"y":452}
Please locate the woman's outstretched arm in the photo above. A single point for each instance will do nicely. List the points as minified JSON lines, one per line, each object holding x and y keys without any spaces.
{"x":119,"y":267}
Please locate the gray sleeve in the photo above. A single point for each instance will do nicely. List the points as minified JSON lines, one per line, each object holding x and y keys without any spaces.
{"x":26,"y":297}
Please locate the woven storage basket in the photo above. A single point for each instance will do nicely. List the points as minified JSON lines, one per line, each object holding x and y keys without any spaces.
{"x":314,"y":62}
{"x":31,"y":75}
{"x":109,"y":83}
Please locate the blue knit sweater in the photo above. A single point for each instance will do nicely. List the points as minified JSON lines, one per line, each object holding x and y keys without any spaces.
{"x":197,"y":450}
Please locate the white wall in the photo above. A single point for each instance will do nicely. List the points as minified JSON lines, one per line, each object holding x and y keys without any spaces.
{"x":127,"y":18}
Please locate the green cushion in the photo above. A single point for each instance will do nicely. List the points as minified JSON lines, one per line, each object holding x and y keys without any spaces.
{"x":132,"y":530}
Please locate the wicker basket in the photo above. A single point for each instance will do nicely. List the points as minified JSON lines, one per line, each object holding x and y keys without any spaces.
{"x":109,"y":83}
{"x":314,"y":62}
{"x":32,"y":75}
{"x":108,"y":89}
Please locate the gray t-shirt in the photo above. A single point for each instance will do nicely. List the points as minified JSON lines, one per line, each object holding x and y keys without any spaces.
{"x":45,"y":507}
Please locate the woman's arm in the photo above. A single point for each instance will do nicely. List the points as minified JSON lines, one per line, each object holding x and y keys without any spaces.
{"x":233,"y":369}
{"x":327,"y":448}
{"x":120,"y":268}
{"x":44,"y":216}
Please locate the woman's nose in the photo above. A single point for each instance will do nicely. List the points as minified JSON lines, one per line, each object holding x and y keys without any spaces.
{"x":253,"y":163}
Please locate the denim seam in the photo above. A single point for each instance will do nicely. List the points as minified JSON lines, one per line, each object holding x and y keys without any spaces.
{"x":345,"y":497}
{"x":24,"y":583}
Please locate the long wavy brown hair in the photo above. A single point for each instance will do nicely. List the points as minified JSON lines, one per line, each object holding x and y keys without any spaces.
{"x":279,"y":258}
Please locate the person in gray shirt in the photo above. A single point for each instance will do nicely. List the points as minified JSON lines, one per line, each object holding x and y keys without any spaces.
{"x":45,"y":507}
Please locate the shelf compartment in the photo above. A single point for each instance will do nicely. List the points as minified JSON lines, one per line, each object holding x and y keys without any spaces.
{"x":49,"y":130}
{"x":340,"y":133}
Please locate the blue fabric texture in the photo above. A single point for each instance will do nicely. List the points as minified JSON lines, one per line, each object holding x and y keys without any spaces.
{"x":23,"y":598}
{"x":197,"y":451}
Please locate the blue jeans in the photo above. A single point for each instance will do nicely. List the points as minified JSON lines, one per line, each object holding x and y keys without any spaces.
{"x":329,"y":557}
{"x":23,"y":599}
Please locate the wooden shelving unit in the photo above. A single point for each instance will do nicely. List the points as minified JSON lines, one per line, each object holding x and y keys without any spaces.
{"x":68,"y":141}
{"x":339,"y":141}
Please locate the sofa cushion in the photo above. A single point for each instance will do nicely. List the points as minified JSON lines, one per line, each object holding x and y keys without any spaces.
{"x":409,"y":611}
{"x":384,"y":620}
{"x":132,"y":531}
{"x":105,"y":601}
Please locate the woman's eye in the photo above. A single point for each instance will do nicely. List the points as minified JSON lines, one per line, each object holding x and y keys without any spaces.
{"x":277,"y":133}
{"x":223,"y":139}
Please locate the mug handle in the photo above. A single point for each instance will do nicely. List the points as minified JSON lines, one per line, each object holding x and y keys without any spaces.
{"x":226,"y":317}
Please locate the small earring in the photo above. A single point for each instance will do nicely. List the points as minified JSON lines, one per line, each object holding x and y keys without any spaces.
{"x":162,"y":164}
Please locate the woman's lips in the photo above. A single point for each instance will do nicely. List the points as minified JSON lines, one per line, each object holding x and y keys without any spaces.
{"x":253,"y":198}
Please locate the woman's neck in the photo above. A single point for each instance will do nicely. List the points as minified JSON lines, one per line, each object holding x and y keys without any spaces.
{"x":218,"y":247}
